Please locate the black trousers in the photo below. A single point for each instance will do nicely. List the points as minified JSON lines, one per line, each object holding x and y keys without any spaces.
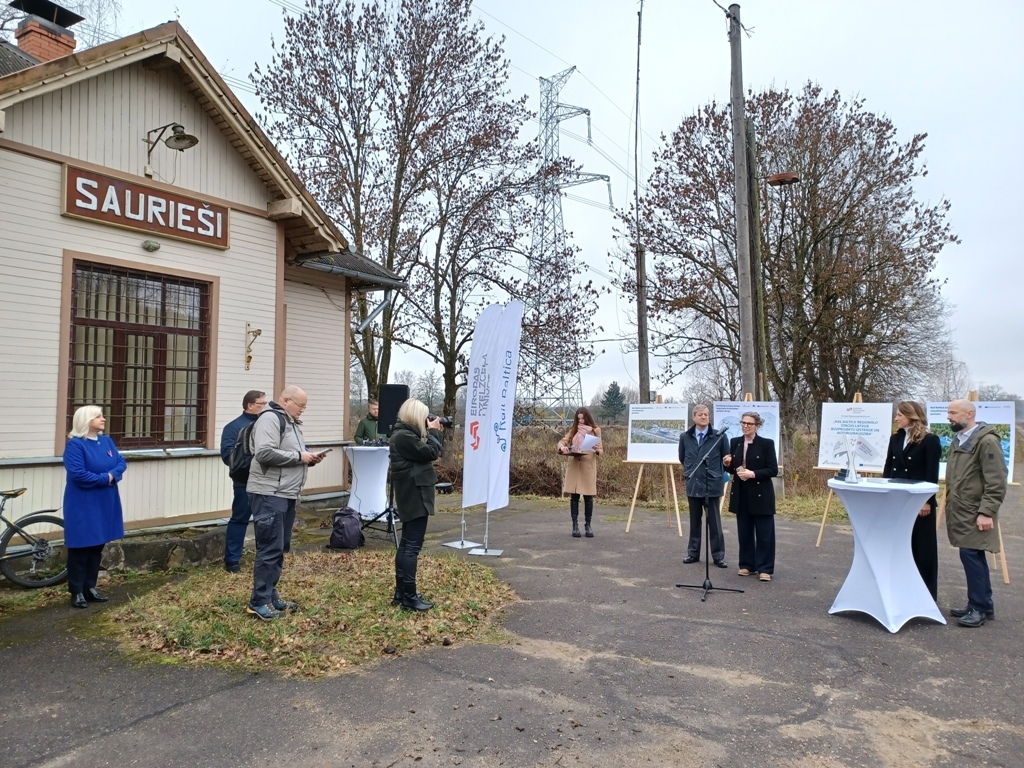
{"x":926,"y":552}
{"x":407,"y":556}
{"x":714,"y":525}
{"x":756,"y":534}
{"x":83,"y":568}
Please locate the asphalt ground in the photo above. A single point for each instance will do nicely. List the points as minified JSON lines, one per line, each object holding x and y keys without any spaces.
{"x":608,"y":664}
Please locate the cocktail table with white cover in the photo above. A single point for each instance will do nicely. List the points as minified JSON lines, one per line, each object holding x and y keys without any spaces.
{"x":884,"y":581}
{"x":369,"y":494}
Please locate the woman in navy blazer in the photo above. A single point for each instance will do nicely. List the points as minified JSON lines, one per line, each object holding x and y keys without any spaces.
{"x":753,"y":464}
{"x":914,"y":454}
{"x":92,"y":504}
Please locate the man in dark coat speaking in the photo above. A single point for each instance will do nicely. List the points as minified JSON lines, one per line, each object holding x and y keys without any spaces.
{"x":704,"y":484}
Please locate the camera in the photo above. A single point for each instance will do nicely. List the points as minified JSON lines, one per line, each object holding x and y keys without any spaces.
{"x":446,"y":421}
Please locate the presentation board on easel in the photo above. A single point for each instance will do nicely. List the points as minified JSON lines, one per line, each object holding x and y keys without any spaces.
{"x":865,"y":426}
{"x":727,"y":416}
{"x":654,"y":430}
{"x":1001,"y":415}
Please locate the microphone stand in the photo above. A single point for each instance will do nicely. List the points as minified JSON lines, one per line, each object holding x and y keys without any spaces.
{"x":707,"y":586}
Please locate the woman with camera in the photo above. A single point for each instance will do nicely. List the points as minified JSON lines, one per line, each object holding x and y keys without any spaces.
{"x":415,"y":445}
{"x":581,"y":475}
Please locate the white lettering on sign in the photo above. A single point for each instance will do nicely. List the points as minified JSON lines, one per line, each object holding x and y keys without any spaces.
{"x":123,"y":203}
{"x":157,"y":206}
{"x":88,"y":199}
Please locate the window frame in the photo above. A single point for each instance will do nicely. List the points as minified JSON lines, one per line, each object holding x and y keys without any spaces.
{"x":205,"y":374}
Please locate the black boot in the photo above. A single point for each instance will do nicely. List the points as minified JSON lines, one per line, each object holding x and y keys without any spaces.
{"x":574,"y":513}
{"x":78,"y":601}
{"x":588,"y":515}
{"x":413,"y":601}
{"x":589,"y":532}
{"x":575,"y":528}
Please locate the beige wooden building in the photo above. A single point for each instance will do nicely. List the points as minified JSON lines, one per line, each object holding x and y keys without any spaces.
{"x":159,"y":258}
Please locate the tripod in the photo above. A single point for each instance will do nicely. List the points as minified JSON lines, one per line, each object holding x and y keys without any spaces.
{"x":391,"y":514}
{"x":707,"y":586}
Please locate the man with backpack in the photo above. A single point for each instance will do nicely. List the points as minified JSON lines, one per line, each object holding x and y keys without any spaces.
{"x":277,"y":474}
{"x":234,"y":538}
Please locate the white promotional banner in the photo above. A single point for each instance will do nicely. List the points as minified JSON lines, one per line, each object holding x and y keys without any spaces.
{"x":1000,"y":415}
{"x":727,"y":414}
{"x":504,"y":373}
{"x":868,"y":427}
{"x":478,"y":407}
{"x":654,"y":430}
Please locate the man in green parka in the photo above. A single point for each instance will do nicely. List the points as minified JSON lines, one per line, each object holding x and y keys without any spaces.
{"x":975,"y":488}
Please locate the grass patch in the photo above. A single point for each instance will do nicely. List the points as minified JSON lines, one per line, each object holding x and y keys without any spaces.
{"x":345,"y":620}
{"x":15,"y":599}
{"x":811,"y":508}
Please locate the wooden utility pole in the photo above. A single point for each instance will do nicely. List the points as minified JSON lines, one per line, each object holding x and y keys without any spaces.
{"x":757,"y":268}
{"x":641,"y":261}
{"x":741,"y":179}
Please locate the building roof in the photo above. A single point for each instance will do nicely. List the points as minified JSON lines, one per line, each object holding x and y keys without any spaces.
{"x":13,"y":59}
{"x":308,"y":229}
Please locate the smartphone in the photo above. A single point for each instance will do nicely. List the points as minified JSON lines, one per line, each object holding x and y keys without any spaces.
{"x":324,"y":452}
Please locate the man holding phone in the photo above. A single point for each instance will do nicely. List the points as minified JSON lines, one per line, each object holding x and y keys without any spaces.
{"x":276,"y":478}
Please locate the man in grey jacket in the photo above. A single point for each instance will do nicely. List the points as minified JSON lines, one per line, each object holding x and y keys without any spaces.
{"x":276,"y":477}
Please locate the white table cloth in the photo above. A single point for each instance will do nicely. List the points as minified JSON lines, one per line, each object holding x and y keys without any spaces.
{"x":369,"y":494}
{"x":884,"y":581}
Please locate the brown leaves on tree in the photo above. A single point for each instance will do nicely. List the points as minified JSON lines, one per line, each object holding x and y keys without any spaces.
{"x":850,"y":303}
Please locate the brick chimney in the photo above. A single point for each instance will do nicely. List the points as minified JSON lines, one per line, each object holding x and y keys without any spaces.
{"x":44,"y":40}
{"x":44,"y":32}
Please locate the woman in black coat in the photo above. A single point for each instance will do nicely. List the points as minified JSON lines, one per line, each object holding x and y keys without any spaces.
{"x":914,"y":454}
{"x":414,"y":446}
{"x":753,"y":464}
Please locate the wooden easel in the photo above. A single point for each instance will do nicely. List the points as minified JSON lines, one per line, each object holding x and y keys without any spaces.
{"x":998,"y":558}
{"x":670,"y":480}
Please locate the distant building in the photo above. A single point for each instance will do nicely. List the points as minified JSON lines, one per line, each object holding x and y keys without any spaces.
{"x":158,"y":258}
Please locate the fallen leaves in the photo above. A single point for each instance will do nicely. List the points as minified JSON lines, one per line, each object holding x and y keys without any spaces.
{"x":346,"y":617}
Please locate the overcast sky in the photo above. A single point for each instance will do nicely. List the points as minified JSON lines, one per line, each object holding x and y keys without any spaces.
{"x":941,"y":67}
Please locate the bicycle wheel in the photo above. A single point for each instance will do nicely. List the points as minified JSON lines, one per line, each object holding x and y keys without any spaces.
{"x":33,"y":554}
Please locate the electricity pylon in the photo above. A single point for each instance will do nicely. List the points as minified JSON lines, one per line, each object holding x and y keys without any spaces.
{"x":551,"y":387}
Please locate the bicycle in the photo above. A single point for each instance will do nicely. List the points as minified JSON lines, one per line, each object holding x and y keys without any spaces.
{"x":32,"y":548}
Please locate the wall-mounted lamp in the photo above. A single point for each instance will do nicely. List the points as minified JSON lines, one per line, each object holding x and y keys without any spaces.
{"x":251,"y":334}
{"x":178,"y":139}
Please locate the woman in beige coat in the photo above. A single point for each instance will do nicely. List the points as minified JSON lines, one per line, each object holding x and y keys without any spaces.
{"x":581,"y":475}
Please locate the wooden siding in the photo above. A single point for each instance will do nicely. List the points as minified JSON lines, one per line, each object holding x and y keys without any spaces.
{"x":315,"y":359}
{"x":154,"y":489}
{"x":32,"y":254}
{"x":104,"y":120}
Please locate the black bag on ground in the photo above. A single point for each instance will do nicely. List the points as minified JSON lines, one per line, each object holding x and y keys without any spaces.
{"x":347,"y":531}
{"x":242,"y":450}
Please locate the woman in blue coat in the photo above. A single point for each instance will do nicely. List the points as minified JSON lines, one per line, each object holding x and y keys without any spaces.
{"x":92,"y":504}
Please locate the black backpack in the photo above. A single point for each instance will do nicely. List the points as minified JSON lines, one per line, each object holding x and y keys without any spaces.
{"x":242,"y":450}
{"x":347,"y":531}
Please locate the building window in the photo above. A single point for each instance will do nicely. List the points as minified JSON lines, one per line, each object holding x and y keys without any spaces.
{"x":140,"y":349}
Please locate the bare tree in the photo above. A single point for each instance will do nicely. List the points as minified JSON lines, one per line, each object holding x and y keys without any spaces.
{"x":429,"y":387}
{"x":397,"y":116}
{"x":850,"y":304}
{"x":100,"y":25}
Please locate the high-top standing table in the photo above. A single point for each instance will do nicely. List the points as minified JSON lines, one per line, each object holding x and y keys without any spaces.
{"x":369,"y":495}
{"x":884,"y":581}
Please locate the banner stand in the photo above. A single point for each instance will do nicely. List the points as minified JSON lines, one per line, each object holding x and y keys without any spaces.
{"x":461,"y":543}
{"x":484,"y":551}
